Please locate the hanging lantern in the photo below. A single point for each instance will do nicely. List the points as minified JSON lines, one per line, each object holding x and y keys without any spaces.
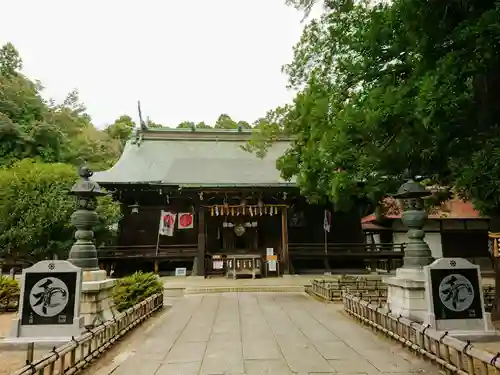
{"x":239,"y":230}
{"x":134,"y":208}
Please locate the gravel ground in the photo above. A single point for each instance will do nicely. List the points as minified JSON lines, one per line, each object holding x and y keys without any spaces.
{"x":12,"y":360}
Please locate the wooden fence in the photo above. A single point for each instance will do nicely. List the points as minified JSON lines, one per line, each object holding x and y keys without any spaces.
{"x":453,"y":355}
{"x":71,"y":357}
{"x":370,"y":290}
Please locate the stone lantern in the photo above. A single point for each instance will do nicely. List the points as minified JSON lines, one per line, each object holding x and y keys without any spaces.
{"x":406,"y":290}
{"x":96,"y":301}
{"x":83,"y":253}
{"x":417,"y":251}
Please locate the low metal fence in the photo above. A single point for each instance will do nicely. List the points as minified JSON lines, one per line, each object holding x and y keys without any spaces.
{"x":81,"y":350}
{"x":454,"y":355}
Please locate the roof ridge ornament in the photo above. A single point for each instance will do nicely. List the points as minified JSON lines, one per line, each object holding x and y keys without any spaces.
{"x":144,"y":127}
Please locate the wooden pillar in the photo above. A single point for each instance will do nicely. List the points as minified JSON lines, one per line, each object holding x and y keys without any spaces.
{"x":284,"y":241}
{"x":156,"y":267}
{"x":201,"y":243}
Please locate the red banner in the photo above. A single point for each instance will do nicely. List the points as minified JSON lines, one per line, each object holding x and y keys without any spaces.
{"x":186,"y":220}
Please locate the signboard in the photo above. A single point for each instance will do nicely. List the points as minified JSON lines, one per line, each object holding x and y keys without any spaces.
{"x":272,"y":265}
{"x":455,"y":295}
{"x":180,"y":272}
{"x":49,"y":301}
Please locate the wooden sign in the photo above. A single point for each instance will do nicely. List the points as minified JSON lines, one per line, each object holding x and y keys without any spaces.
{"x":180,"y":271}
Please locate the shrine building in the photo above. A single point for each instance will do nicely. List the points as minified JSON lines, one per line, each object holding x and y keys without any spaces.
{"x":195,"y":199}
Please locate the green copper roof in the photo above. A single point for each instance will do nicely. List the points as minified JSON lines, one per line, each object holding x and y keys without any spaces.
{"x":194,"y":158}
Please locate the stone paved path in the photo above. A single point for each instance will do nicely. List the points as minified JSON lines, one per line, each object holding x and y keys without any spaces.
{"x":264,"y":333}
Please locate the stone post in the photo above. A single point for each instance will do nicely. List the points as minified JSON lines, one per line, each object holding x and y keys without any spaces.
{"x":406,"y":290}
{"x":96,"y":296}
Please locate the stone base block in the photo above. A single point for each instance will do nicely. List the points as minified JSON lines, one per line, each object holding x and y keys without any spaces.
{"x":97,"y":301}
{"x":41,"y":333}
{"x":478,"y":330}
{"x":98,"y":275}
{"x":406,"y":297}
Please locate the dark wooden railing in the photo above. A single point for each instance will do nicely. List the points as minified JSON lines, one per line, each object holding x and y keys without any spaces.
{"x":311,"y":250}
{"x":374,"y":256}
{"x":172,"y":252}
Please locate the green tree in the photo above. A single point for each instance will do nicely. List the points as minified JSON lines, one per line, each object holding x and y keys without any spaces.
{"x":151,"y":124}
{"x":225,"y":122}
{"x":186,"y":125}
{"x":202,"y":125}
{"x":192,"y":125}
{"x":10,"y":61}
{"x":121,"y":129}
{"x":33,"y":128}
{"x":389,"y":86}
{"x":35,"y":211}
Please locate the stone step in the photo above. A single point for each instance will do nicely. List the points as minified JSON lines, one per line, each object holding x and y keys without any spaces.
{"x":245,"y":288}
{"x":173,"y":292}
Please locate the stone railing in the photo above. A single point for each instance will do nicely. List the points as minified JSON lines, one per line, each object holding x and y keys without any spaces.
{"x":73,"y":356}
{"x":332,"y":290}
{"x":452,"y":354}
{"x":370,"y":290}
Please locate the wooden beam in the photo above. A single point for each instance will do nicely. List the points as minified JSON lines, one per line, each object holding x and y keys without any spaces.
{"x":201,"y":242}
{"x":284,"y":241}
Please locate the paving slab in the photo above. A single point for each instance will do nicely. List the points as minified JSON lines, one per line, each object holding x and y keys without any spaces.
{"x":265,"y":333}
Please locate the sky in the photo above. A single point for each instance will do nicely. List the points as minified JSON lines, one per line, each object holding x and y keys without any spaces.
{"x":185,"y":60}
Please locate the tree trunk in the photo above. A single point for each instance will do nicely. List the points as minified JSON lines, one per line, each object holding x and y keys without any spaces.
{"x":495,"y":228}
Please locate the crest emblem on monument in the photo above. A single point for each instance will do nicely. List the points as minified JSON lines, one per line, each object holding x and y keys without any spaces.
{"x":456,"y":292}
{"x":48,"y":297}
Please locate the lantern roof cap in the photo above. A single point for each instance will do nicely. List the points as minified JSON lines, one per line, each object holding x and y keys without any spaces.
{"x":85,"y":186}
{"x":412,"y":189}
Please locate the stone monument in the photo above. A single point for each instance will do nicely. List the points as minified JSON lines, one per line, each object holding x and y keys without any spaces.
{"x":96,"y":301}
{"x":49,"y":306}
{"x":455,"y":299}
{"x":406,"y":290}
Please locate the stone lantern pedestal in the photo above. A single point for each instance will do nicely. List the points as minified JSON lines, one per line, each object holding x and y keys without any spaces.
{"x":406,"y":294}
{"x":97,"y":297}
{"x":406,"y":291}
{"x":96,"y":293}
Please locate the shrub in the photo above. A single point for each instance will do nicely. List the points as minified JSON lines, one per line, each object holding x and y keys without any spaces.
{"x":9,"y":293}
{"x":135,"y":288}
